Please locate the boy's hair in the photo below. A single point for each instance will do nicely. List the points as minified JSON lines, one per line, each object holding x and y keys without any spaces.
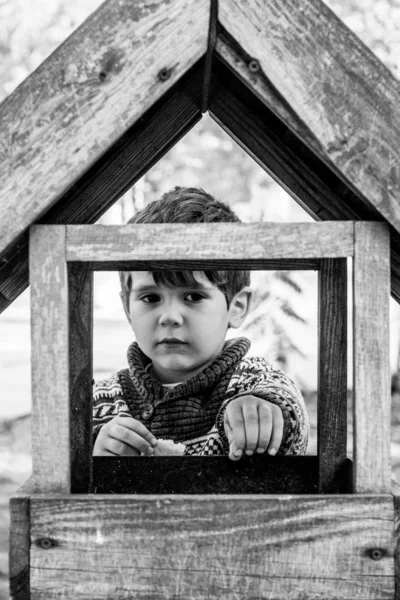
{"x":188,"y":205}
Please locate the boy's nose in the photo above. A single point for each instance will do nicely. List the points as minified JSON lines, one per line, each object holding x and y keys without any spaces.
{"x":171,"y":315}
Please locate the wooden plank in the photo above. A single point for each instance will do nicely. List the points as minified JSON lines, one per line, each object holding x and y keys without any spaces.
{"x":80,"y":290}
{"x":264,"y":547}
{"x":50,"y":372}
{"x":78,"y":103}
{"x":291,"y":264}
{"x":371,"y":380}
{"x":396,"y":502}
{"x":271,"y":143}
{"x":335,"y":94}
{"x":217,"y":474}
{"x":199,"y":241}
{"x":20,"y":542}
{"x":332,"y":372}
{"x":284,"y":156}
{"x":136,"y":151}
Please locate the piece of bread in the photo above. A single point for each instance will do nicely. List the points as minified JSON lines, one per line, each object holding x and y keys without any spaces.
{"x":168,"y":448}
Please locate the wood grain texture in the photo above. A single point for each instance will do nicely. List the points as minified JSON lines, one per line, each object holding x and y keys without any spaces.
{"x":80,"y":291}
{"x":156,"y":547}
{"x":332,"y":372}
{"x":19,"y":548}
{"x":136,"y":151}
{"x":371,"y":380}
{"x":285,"y":156}
{"x":337,"y":96}
{"x":396,"y":502}
{"x":273,"y":264}
{"x":217,"y":474}
{"x":50,"y":369}
{"x":275,"y":148}
{"x":227,"y":241}
{"x":85,"y":96}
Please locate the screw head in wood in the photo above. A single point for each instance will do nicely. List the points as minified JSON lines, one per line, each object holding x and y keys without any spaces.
{"x":164,"y":74}
{"x":376,"y":554}
{"x":45,"y":543}
{"x":254,"y":65}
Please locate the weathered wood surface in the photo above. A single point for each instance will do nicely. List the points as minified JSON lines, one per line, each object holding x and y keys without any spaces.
{"x":371,"y":379}
{"x":50,"y":369}
{"x":274,"y":147}
{"x":284,"y":156}
{"x":332,"y":91}
{"x":228,"y":241}
{"x":120,"y":167}
{"x":332,"y":372}
{"x":19,"y":556}
{"x":213,"y":475}
{"x":338,"y":547}
{"x":85,"y":96}
{"x":80,"y":291}
{"x":396,"y":502}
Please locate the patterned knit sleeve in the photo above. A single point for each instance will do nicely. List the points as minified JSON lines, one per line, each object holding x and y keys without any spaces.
{"x":108,"y":402}
{"x":254,"y":376}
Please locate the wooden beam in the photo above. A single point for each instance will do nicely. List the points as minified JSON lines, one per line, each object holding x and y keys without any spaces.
{"x":271,"y":143}
{"x":50,"y":368}
{"x":334,"y":94}
{"x":396,"y":502}
{"x":19,"y":557}
{"x":371,"y":380}
{"x":80,"y":316}
{"x":332,"y":373}
{"x":266,"y":547}
{"x":208,"y":475}
{"x":211,"y":241}
{"x":79,"y":102}
{"x":136,"y":151}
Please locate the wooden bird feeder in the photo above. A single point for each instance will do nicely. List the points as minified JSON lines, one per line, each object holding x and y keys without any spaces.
{"x":291,"y":84}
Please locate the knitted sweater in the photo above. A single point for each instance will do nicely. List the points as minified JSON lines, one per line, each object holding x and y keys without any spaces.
{"x":193,"y":412}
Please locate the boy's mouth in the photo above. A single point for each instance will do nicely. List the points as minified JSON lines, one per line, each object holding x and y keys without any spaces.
{"x":171,"y":341}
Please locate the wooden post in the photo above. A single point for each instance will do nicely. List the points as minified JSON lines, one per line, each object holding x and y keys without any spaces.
{"x":50,"y":370}
{"x":371,"y":275}
{"x":332,"y":372}
{"x":80,"y":288}
{"x":19,"y":556}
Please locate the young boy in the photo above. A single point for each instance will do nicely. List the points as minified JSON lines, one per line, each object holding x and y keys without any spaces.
{"x":185,"y":382}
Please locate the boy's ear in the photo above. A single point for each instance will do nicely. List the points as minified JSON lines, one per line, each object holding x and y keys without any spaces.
{"x":239,"y":307}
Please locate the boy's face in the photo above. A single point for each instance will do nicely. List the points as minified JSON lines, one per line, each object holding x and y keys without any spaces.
{"x":181,"y":329}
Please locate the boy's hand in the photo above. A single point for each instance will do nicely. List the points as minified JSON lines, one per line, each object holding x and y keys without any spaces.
{"x":124,"y":436}
{"x":253,"y":425}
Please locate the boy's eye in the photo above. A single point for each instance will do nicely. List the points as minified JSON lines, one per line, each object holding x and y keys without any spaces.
{"x":194,"y":297}
{"x":150,"y":298}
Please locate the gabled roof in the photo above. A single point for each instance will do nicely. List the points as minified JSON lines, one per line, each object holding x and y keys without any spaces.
{"x":285,"y":78}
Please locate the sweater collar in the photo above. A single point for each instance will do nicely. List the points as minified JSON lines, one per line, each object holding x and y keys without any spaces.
{"x":232,"y":352}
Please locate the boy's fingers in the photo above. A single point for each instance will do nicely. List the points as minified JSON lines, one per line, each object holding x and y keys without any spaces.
{"x":118,"y":448}
{"x":277,"y":431}
{"x":130,"y":438}
{"x":137,"y":427}
{"x":236,"y":429}
{"x":265,"y":427}
{"x":251,"y":427}
{"x":228,"y":430}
